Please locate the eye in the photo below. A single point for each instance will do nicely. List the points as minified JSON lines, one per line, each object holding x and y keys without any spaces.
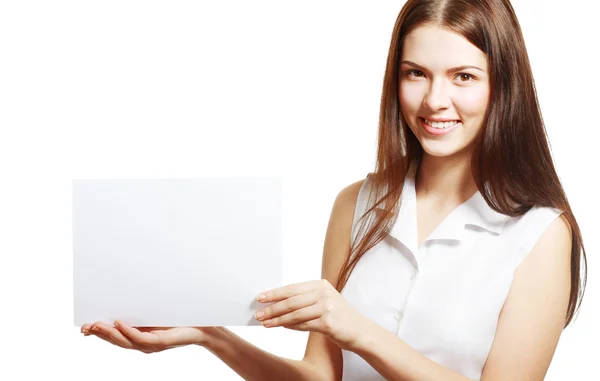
{"x":462,"y":76}
{"x":414,"y":73}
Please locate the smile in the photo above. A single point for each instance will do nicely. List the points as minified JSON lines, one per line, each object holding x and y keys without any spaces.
{"x":439,"y":128}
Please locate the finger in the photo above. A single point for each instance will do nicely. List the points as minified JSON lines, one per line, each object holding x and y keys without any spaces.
{"x":150,"y":329}
{"x":103,"y":336}
{"x":284,"y":292}
{"x":296,"y":317}
{"x":287,"y":305}
{"x":86,"y":328}
{"x":114,"y":335}
{"x":145,"y":338}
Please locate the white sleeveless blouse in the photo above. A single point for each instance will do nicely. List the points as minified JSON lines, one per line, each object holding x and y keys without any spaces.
{"x":443,"y":299}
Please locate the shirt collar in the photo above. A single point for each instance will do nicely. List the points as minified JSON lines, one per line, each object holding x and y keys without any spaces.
{"x":475,"y":211}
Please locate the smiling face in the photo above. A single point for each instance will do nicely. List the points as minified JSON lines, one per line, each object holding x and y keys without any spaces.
{"x":443,"y":76}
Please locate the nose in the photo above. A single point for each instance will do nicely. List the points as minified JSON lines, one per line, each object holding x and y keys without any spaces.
{"x":437,"y":97}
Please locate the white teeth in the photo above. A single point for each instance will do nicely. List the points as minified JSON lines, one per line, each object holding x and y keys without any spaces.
{"x":440,"y":125}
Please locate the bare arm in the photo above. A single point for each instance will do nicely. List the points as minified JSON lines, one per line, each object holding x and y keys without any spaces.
{"x":322,"y":359}
{"x":319,"y":350}
{"x":253,"y":363}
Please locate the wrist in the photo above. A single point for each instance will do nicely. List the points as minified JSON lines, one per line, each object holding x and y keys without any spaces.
{"x":209,"y":336}
{"x":364,"y":337}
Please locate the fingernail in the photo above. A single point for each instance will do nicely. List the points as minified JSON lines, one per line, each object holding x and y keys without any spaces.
{"x":259,"y":314}
{"x":85,"y":331}
{"x":94,"y":328}
{"x":261,"y":297}
{"x":117,"y":324}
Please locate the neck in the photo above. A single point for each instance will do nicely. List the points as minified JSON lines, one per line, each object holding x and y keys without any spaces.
{"x":446,"y":181}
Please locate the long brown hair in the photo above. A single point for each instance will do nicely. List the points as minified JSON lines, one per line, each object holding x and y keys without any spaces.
{"x":511,"y":154}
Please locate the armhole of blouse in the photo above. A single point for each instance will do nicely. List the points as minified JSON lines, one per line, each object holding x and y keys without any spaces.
{"x":537,"y":223}
{"x":361,"y":207}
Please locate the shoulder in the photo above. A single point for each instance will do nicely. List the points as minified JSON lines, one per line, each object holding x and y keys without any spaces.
{"x":539,"y":225}
{"x":548,"y":236}
{"x":339,"y":229}
{"x":349,"y":195}
{"x":547,"y":247}
{"x":539,"y":215}
{"x":344,"y":206}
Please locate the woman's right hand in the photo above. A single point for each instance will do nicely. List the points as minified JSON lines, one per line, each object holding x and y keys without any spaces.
{"x":148,"y":339}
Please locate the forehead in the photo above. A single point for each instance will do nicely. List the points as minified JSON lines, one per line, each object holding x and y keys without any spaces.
{"x":438,"y":48}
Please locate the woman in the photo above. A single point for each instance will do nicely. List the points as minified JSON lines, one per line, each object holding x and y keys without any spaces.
{"x":459,"y":256}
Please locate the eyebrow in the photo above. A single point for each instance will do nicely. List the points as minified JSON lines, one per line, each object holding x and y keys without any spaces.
{"x":453,"y":70}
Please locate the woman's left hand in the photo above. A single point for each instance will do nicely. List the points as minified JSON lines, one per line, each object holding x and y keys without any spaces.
{"x":312,"y":306}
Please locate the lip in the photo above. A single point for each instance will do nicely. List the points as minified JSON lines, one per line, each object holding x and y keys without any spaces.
{"x":437,"y":131}
{"x":441,"y":119}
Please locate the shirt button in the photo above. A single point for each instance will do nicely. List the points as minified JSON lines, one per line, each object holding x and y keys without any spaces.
{"x":414,"y":274}
{"x":399,"y":316}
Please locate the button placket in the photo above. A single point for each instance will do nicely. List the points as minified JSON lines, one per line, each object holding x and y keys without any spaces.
{"x":414,"y":274}
{"x":399,"y":316}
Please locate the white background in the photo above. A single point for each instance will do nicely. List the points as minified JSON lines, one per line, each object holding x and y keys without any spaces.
{"x":165,"y":89}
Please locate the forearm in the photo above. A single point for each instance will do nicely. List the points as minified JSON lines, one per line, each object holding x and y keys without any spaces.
{"x":395,"y":360}
{"x":253,"y":363}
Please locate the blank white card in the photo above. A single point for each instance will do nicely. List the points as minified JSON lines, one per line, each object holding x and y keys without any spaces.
{"x":175,"y":252}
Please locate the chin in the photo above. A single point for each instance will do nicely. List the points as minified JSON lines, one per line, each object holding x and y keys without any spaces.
{"x":440,"y":149}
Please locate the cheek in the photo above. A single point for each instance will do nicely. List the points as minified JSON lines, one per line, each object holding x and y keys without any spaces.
{"x":410,"y":98}
{"x":473,"y":102}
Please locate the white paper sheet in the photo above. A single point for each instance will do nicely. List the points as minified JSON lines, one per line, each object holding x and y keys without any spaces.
{"x":175,"y":252}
